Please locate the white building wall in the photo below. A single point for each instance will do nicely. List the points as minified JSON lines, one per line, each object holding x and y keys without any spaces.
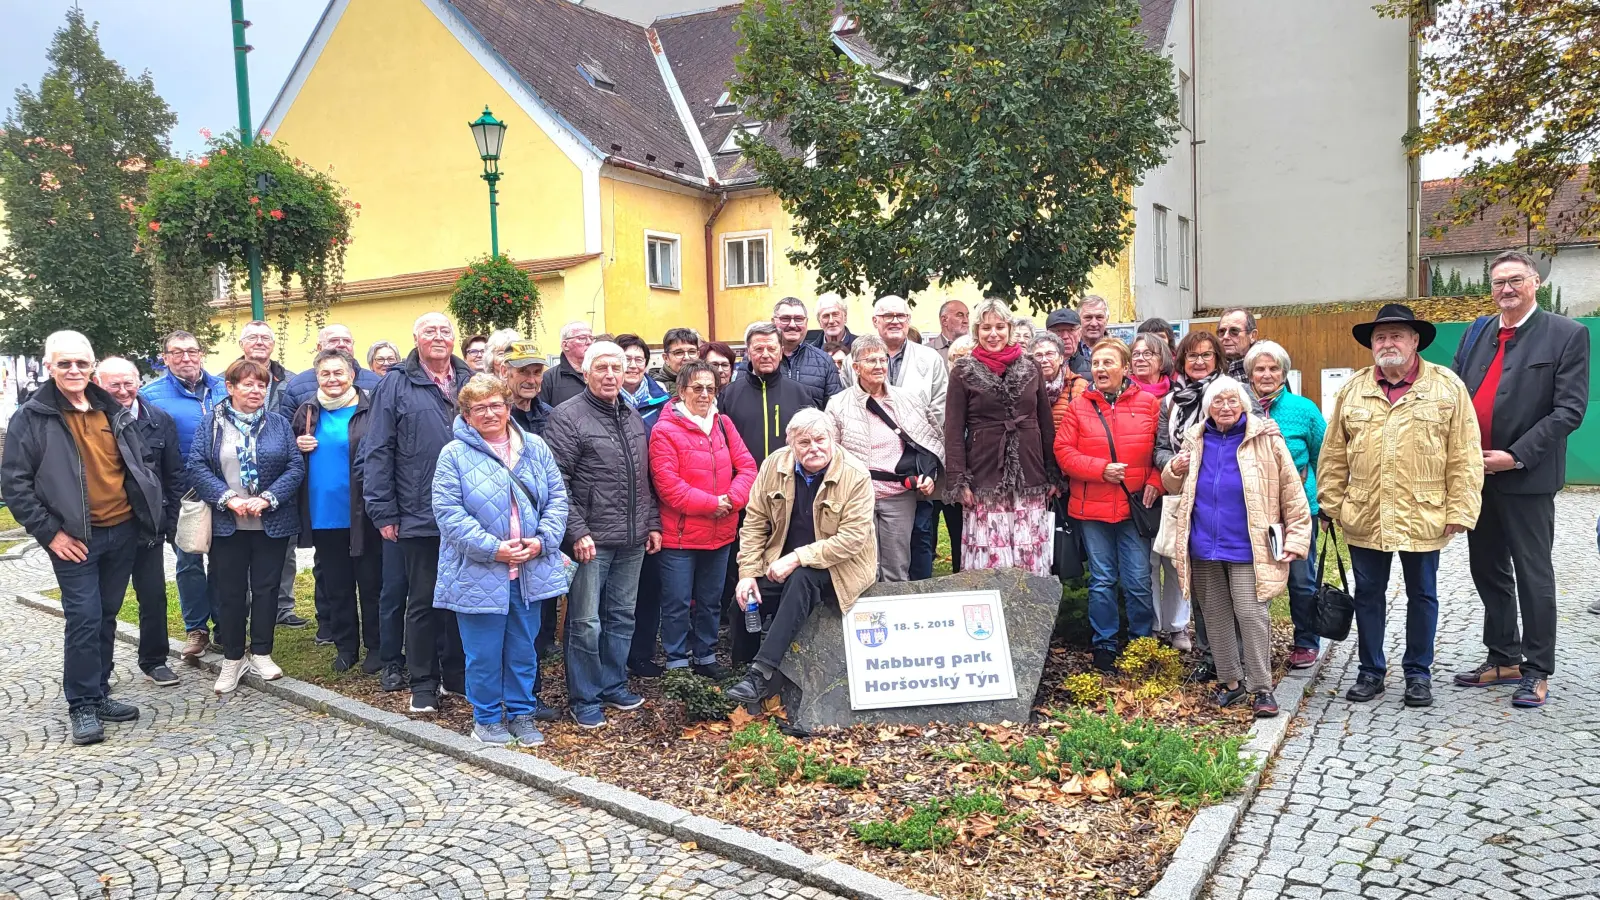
{"x":1302,"y":175}
{"x":1575,"y":270}
{"x":1170,"y":185}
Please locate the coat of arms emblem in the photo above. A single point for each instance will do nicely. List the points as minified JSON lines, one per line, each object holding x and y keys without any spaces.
{"x":979,"y":619}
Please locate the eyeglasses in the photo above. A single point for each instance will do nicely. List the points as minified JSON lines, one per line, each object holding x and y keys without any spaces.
{"x":484,"y":409}
{"x":789,"y":320}
{"x":1500,"y":284}
{"x":437,"y":331}
{"x":475,"y":351}
{"x":1227,"y":401}
{"x":873,"y":362}
{"x":1207,"y":356}
{"x":894,"y":317}
{"x":721,"y":366}
{"x":1145,"y":354}
{"x":1230,"y":332}
{"x":256,"y":339}
{"x":684,"y":353}
{"x":703,"y":390}
{"x":67,"y":365}
{"x":580,"y":339}
{"x":634,"y":362}
{"x":186,"y":354}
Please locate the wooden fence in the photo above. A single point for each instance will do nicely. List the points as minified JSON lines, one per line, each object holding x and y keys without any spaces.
{"x":1317,"y":342}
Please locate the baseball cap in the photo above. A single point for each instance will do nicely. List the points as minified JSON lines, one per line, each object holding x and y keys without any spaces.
{"x":1063,"y":317}
{"x":525,"y":353}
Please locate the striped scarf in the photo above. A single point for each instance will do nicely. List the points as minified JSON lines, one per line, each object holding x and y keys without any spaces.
{"x":249,"y":427}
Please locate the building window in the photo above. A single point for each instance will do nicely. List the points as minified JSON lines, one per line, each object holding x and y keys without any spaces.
{"x":1185,"y":251}
{"x":1185,"y":101}
{"x":744,"y":259}
{"x":661,"y":259}
{"x":597,"y":77}
{"x":731,"y":143}
{"x":1161,"y":244}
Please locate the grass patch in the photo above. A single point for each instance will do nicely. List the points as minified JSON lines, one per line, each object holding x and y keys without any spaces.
{"x":761,"y":754}
{"x":934,"y":823}
{"x":8,"y":521}
{"x":7,"y":545}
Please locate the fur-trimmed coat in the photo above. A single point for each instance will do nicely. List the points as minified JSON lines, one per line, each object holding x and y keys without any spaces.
{"x":998,"y":432}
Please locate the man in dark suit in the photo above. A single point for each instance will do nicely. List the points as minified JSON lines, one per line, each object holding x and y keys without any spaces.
{"x":1528,"y":371}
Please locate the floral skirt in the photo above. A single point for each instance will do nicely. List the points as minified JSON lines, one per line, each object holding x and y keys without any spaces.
{"x":1008,"y":533}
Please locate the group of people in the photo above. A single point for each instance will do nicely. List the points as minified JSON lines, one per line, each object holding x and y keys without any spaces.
{"x":451,"y":500}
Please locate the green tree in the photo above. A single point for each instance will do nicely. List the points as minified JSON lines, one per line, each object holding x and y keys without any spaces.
{"x":1436,"y":284}
{"x":73,"y":164}
{"x":1453,"y":287}
{"x":1521,"y":75}
{"x":996,"y":140}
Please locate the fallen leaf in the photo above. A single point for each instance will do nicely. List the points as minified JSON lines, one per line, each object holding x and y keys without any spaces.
{"x":689,"y":845}
{"x":1100,"y":784}
{"x":740,"y":717}
{"x":773,"y":706}
{"x":1374,"y":820}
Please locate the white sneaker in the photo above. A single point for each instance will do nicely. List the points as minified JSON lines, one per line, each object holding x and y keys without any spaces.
{"x":264,"y":666}
{"x":228,"y":676}
{"x":1181,"y":641}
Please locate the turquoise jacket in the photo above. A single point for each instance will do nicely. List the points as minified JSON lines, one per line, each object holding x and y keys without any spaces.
{"x":1301,"y":424}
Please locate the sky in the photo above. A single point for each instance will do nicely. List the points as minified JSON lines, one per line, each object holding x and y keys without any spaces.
{"x":187,"y":46}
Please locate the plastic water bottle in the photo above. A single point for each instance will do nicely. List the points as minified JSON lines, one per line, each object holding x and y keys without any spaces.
{"x":752,"y":617}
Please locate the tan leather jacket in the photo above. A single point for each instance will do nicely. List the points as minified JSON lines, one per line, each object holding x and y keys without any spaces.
{"x":1393,"y":476}
{"x":847,"y":540}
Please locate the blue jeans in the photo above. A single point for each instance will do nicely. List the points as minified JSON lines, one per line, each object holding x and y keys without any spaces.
{"x":1422,"y":609}
{"x":691,"y":604}
{"x":600,"y":626}
{"x":1118,"y":556}
{"x":91,"y":596}
{"x":194,"y":594}
{"x":392,"y":606}
{"x":502,"y":665}
{"x":924,"y":535}
{"x":1303,"y":595}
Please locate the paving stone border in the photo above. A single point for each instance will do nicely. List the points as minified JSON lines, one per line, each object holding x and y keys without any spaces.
{"x":1212,"y":828}
{"x":754,"y":850}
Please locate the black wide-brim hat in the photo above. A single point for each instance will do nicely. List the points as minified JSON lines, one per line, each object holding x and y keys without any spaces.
{"x":1396,"y":314}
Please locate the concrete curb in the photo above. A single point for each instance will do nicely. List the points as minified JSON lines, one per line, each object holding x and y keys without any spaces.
{"x":760,"y":853}
{"x":1211,"y":830}
{"x":20,"y":549}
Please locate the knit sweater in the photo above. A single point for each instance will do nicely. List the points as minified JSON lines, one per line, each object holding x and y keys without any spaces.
{"x":1301,"y":424}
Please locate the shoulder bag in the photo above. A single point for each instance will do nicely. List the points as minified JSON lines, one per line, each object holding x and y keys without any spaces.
{"x":1146,"y":519}
{"x":1066,"y":563}
{"x":194,"y":524}
{"x":916,"y":461}
{"x":1336,"y":609}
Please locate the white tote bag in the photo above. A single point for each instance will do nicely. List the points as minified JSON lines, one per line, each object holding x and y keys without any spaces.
{"x":1166,"y":540}
{"x":194,"y":524}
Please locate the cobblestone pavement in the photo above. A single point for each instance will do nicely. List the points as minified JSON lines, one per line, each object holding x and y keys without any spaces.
{"x":32,"y":572}
{"x":1468,"y":798}
{"x":256,"y":797}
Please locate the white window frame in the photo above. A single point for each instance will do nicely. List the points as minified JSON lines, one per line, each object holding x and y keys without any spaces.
{"x":1185,"y":101}
{"x":1160,"y":227}
{"x":676,"y":242}
{"x":1185,"y":251}
{"x":765,"y":237}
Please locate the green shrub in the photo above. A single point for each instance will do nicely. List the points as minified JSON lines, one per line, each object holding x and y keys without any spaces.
{"x":1157,"y":668}
{"x":1179,"y":763}
{"x":1072,"y":616}
{"x":761,"y":754}
{"x":926,"y":828}
{"x":702,"y":698}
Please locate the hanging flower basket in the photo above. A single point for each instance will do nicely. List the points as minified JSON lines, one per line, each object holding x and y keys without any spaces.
{"x":493,"y":294}
{"x":207,"y":212}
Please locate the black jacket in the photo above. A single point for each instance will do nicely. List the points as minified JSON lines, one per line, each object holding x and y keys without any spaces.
{"x":411,"y":421}
{"x":604,"y":454}
{"x":761,"y":407}
{"x":1543,"y":394}
{"x":816,"y":338}
{"x":305,"y":421}
{"x":812,"y":369}
{"x":561,"y":383}
{"x":535,"y":418}
{"x":42,"y":478}
{"x":281,"y":378}
{"x":164,"y":456}
{"x":303,"y":387}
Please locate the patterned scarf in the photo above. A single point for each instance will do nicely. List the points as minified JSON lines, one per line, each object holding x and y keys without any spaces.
{"x":1269,"y":399}
{"x":1056,"y":385}
{"x":249,"y":427}
{"x":1186,"y":405}
{"x":636,"y":398}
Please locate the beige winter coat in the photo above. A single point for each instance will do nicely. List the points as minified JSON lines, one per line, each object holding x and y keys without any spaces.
{"x":908,"y":408}
{"x":846,"y":540}
{"x":1273,"y":495}
{"x":1394,"y":475}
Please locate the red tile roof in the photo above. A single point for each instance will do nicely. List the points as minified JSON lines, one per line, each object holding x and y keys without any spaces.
{"x":417,"y":281}
{"x":1485,"y":234}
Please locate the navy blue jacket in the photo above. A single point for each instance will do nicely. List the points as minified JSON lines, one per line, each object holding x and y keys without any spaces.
{"x":282,"y":468}
{"x":303,"y":388}
{"x":411,"y":421}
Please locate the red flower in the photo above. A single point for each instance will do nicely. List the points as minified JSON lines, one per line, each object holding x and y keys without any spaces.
{"x":155,"y":226}
{"x":210,"y":235}
{"x":277,"y":214}
{"x":255,"y":199}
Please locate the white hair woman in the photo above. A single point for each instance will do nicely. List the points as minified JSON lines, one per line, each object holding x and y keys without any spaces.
{"x":882,"y":426}
{"x":807,"y":539}
{"x":1242,"y":517}
{"x":998,"y":432}
{"x":1300,"y":422}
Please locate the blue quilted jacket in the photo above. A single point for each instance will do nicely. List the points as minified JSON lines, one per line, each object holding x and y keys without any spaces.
{"x":282,"y":466}
{"x":472,"y":496}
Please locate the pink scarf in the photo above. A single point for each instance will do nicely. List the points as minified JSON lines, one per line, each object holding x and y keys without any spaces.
{"x":1158,"y":388}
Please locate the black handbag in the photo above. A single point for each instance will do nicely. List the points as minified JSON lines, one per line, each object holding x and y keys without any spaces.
{"x":916,"y":461}
{"x":1067,"y":561}
{"x":1146,"y":519}
{"x":1336,"y":609}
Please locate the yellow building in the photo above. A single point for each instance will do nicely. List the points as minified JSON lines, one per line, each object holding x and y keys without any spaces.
{"x":622,"y":191}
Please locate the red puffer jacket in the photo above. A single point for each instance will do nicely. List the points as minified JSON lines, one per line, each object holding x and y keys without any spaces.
{"x":690,"y":471}
{"x":1082,"y":451}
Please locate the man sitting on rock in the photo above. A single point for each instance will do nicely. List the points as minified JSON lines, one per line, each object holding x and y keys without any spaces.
{"x":807,"y":538}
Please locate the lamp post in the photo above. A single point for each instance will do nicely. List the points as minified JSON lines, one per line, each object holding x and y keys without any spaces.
{"x":489,"y":132}
{"x":241,"y":76}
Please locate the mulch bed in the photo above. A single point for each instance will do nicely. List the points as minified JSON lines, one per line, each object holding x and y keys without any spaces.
{"x":1085,"y":842}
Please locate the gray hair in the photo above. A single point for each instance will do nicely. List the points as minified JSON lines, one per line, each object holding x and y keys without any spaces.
{"x":865,"y":342}
{"x":788,"y":301}
{"x":115,"y":362}
{"x":830,"y":298}
{"x":372,"y":352}
{"x":892,"y":300}
{"x":341,"y":355}
{"x":322,"y":333}
{"x":1157,"y":345}
{"x":500,"y":341}
{"x":601,"y":350}
{"x":680,"y":336}
{"x":61,"y":341}
{"x":1045,"y":337}
{"x":567,"y":329}
{"x":811,"y":421}
{"x":1249,"y":317}
{"x":988,"y":306}
{"x":946,"y":305}
{"x":1516,"y":256}
{"x":1224,"y":385}
{"x":760,"y":328}
{"x":1266,"y":348}
{"x":416,"y":327}
{"x":1094,"y":300}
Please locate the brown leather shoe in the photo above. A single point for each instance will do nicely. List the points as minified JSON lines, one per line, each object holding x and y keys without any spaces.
{"x":1488,"y":675}
{"x":199,"y":642}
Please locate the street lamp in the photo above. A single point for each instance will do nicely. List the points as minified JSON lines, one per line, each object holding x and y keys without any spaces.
{"x":489,"y":132}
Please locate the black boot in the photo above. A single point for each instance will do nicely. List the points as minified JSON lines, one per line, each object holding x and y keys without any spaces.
{"x":753,"y":689}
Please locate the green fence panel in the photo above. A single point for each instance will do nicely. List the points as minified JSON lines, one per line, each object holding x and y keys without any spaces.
{"x":1583,"y":447}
